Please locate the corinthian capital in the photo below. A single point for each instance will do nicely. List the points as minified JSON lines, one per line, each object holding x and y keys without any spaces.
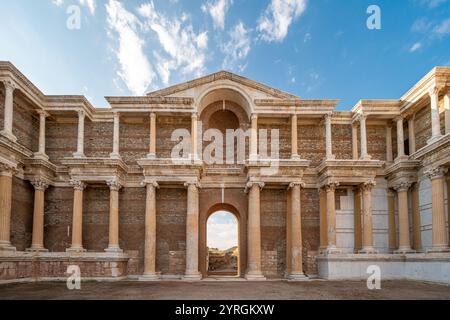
{"x":434,"y":91}
{"x":78,"y":185}
{"x":331,"y":186}
{"x":10,"y":85}
{"x":192,"y":184}
{"x":114,"y":185}
{"x":7,"y":170}
{"x":368,"y":186}
{"x":300,"y":184}
{"x":402,"y":186}
{"x":435,"y":173}
{"x":250,"y":185}
{"x":40,"y":184}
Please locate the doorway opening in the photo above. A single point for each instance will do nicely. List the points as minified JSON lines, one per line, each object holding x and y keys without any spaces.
{"x":222,"y":238}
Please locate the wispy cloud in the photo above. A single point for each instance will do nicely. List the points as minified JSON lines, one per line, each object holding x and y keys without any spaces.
{"x":182,"y":48}
{"x":432,"y":3}
{"x":416,"y":46}
{"x":91,"y":5}
{"x":275,"y":22}
{"x":217,"y":10}
{"x":222,"y":231}
{"x":442,"y":28}
{"x":237,"y":48}
{"x":135,"y":69}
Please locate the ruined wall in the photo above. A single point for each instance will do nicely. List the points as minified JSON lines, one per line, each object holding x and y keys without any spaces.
{"x":376,"y":142}
{"x":311,"y":143}
{"x":422,"y":126}
{"x":165,"y":127}
{"x":60,"y":140}
{"x":22,"y":214}
{"x":98,"y":139}
{"x":25,"y":122}
{"x":342,"y":141}
{"x":58,"y":218}
{"x":134,"y":139}
{"x":273,"y":232}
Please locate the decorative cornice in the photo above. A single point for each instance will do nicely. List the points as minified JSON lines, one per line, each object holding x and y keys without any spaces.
{"x":114,"y":185}
{"x":7,"y":170}
{"x":435,"y":173}
{"x":402,"y":186}
{"x":190,"y":184}
{"x":250,"y":185}
{"x":301,"y":184}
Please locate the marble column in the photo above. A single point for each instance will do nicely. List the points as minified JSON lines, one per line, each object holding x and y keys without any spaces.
{"x":368,"y":247}
{"x":447,"y":112}
{"x":411,"y":135}
{"x":254,"y":270}
{"x":37,"y":243}
{"x":194,"y":137}
{"x":254,"y":138}
{"x":6,"y":176}
{"x":296,"y":256}
{"x":116,"y":137}
{"x":77,"y":220}
{"x":357,"y":219}
{"x":150,"y":233}
{"x":294,"y":137}
{"x":330,"y":189}
{"x":392,"y":226}
{"x":323,"y":220}
{"x":7,"y":131}
{"x":417,"y":236}
{"x":328,"y":138}
{"x":354,"y":142}
{"x":448,"y":205}
{"x":389,"y":153}
{"x":41,"y":154}
{"x":439,"y":233}
{"x":192,"y":235}
{"x":113,"y":246}
{"x":362,"y":125}
{"x":403,"y":218}
{"x":80,"y":140}
{"x":435,"y":119}
{"x":400,"y":139}
{"x":152,"y":153}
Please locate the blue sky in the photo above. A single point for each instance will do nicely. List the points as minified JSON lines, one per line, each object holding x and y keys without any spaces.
{"x":222,"y":230}
{"x":314,"y":49}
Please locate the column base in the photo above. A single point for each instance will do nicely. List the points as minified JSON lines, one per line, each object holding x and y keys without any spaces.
{"x":41,"y":156}
{"x":404,"y":251}
{"x":113,"y":249}
{"x":297,"y":277}
{"x":7,"y":248}
{"x":401,"y":158}
{"x":79,"y":155}
{"x":368,"y":250}
{"x":151,"y":156}
{"x":255,"y":276}
{"x":115,"y":156}
{"x":36,"y":249}
{"x":366,"y":158}
{"x":192,"y":277}
{"x":438,"y":249}
{"x":433,"y":139}
{"x":330,"y":157}
{"x":75,"y":250}
{"x":9,"y":135}
{"x":295,"y":157}
{"x":150,"y":277}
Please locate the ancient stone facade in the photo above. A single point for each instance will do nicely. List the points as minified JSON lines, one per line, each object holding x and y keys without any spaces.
{"x":109,"y":190}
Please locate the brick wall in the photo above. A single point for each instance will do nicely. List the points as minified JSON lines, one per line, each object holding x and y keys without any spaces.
{"x":165,"y":127}
{"x":310,"y":229}
{"x":311,"y":143}
{"x":96,"y":218}
{"x":376,"y":142}
{"x":98,"y":139}
{"x":422,"y":126}
{"x":61,"y":140}
{"x":134,"y":139}
{"x":342,"y":141}
{"x":284,"y":132}
{"x":25,"y":122}
{"x":22,"y":214}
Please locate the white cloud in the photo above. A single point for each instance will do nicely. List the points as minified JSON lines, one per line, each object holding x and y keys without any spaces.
{"x":416,"y":46}
{"x":237,"y":48}
{"x":432,"y":3}
{"x":90,"y":4}
{"x":58,"y":2}
{"x":443,"y":28}
{"x":222,"y":231}
{"x":275,"y":22}
{"x":182,"y":48}
{"x":135,"y":69}
{"x":218,"y":10}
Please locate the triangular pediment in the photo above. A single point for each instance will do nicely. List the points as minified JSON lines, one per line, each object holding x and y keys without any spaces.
{"x":185,"y":88}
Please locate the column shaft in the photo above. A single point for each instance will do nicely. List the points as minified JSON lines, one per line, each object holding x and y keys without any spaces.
{"x":116,"y":137}
{"x":354,"y":142}
{"x":323,"y":220}
{"x":296,"y":272}
{"x":328,"y":138}
{"x":368,"y":247}
{"x":9,"y":110}
{"x":392,"y":227}
{"x":42,"y":119}
{"x":150,"y":233}
{"x":114,"y":188}
{"x":447,"y":112}
{"x":5,"y":210}
{"x":400,"y":138}
{"x":77,"y":221}
{"x":194,"y":137}
{"x":403,"y":218}
{"x":435,"y":119}
{"x":294,"y":137}
{"x":80,"y":141}
{"x":357,"y":219}
{"x":152,"y":153}
{"x":254,"y":232}
{"x":439,"y":237}
{"x":192,"y":235}
{"x":389,"y":153}
{"x":331,"y":218}
{"x":254,"y":138}
{"x":411,"y":136}
{"x":362,"y":122}
{"x":37,"y":243}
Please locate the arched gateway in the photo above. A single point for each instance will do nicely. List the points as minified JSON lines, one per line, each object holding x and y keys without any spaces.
{"x":127,"y":191}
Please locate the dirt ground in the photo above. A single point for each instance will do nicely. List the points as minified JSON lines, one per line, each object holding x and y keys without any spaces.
{"x":220,"y":290}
